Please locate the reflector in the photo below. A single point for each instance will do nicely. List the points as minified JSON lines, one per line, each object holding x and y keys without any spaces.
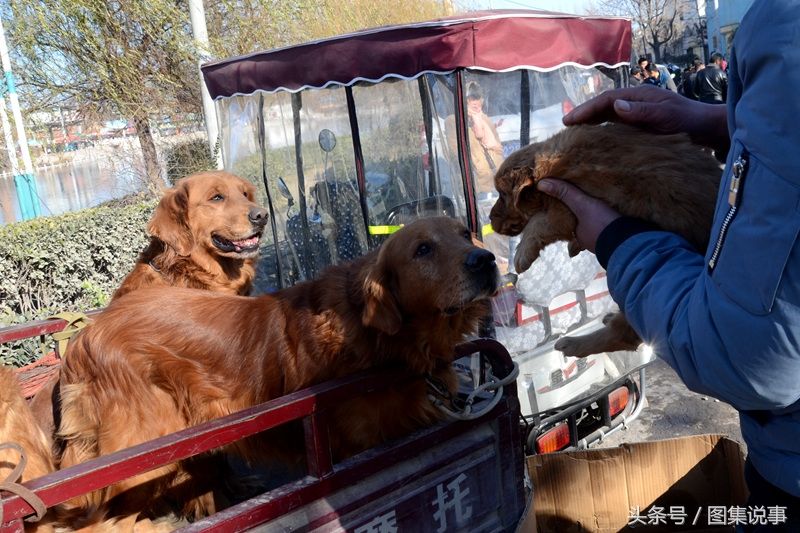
{"x":617,"y":401}
{"x":554,"y":439}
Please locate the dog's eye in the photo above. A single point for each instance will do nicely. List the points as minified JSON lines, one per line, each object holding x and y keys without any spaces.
{"x":217,"y":198}
{"x":423,"y":249}
{"x":468,"y":235}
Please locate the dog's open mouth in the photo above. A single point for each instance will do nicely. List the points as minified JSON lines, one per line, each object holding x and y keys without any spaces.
{"x":250,"y":244}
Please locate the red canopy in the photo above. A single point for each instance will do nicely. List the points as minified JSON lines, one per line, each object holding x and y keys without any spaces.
{"x":488,"y":40}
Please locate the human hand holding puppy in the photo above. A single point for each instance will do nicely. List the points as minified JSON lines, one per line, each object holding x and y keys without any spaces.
{"x":589,"y":185}
{"x":658,"y":111}
{"x":646,"y":107}
{"x":593,"y":215}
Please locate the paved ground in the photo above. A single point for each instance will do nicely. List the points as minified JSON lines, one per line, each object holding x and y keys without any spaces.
{"x":674,"y":411}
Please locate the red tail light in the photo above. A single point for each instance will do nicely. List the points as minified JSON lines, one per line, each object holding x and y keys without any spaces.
{"x":566,"y":107}
{"x":554,"y":439}
{"x":617,"y":401}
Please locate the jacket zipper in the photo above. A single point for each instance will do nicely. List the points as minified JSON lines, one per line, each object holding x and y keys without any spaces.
{"x":739,"y":167}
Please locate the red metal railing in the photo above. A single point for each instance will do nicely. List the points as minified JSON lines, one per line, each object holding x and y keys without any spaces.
{"x":98,"y":473}
{"x":34,"y":376}
{"x":36,"y":328}
{"x":309,"y":405}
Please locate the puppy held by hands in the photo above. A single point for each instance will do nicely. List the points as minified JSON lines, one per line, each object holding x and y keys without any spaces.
{"x":664,"y":179}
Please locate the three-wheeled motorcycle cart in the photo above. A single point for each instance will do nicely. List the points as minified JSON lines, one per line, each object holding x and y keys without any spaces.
{"x":348,"y":139}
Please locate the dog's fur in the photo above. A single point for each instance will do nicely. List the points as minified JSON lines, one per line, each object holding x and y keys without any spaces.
{"x":204,"y":234}
{"x":17,"y":426}
{"x":664,"y":179}
{"x":160,"y":360}
{"x":194,"y":232}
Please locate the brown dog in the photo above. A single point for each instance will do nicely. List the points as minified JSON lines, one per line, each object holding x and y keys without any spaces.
{"x":204,"y":235}
{"x":160,"y":360}
{"x":664,"y":179}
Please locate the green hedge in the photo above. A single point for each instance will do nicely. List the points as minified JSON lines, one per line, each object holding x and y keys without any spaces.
{"x":71,"y":262}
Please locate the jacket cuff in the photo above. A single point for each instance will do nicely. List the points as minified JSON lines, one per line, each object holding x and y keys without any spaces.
{"x":618,"y":232}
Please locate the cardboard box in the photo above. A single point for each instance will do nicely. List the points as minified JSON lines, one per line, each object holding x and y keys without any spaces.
{"x":695,"y":480}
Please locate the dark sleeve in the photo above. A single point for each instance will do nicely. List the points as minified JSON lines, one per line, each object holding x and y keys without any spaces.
{"x":723,"y":82}
{"x":618,"y":232}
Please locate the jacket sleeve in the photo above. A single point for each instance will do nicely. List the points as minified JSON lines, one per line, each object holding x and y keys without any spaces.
{"x":717,"y":346}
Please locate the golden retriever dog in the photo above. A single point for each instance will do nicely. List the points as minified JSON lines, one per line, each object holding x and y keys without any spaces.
{"x":160,"y":360}
{"x":664,"y":179}
{"x":204,"y":234}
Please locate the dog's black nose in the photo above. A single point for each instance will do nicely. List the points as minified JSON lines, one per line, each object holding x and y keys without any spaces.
{"x":479,"y":259}
{"x":258,"y":215}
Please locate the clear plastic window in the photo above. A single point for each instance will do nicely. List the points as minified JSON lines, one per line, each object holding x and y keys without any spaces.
{"x":410,"y":152}
{"x":409,"y":172}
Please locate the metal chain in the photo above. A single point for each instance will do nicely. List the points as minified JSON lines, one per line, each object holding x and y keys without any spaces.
{"x":464,"y":411}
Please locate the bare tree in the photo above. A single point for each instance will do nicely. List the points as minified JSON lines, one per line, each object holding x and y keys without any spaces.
{"x":657,"y":20}
{"x":109,"y":58}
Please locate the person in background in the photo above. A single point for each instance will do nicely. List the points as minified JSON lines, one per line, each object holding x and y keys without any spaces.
{"x":665,"y":79}
{"x":689,"y":81}
{"x":727,"y":319}
{"x":653,"y":76}
{"x":711,"y":83}
{"x":484,"y":141}
{"x":636,"y":77}
{"x":486,"y":155}
{"x":687,"y":71}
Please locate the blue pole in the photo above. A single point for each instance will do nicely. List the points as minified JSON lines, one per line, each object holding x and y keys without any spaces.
{"x":24,"y":180}
{"x":27,"y":196}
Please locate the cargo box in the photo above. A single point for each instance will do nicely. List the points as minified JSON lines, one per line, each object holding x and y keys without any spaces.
{"x":691,"y":483}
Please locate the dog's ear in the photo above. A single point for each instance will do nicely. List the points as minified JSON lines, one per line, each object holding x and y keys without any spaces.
{"x":524,"y":181}
{"x":380,"y":307}
{"x":169,"y":222}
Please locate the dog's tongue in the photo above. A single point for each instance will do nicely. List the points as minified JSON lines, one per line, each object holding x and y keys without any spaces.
{"x":245,"y":243}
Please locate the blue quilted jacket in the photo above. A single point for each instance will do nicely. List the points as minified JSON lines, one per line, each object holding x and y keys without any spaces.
{"x":729,"y":322}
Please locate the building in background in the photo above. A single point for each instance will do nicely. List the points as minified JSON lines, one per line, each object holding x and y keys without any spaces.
{"x":690,"y":37}
{"x":723,"y":18}
{"x":695,"y":36}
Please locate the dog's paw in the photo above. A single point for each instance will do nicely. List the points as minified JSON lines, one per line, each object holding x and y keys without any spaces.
{"x":574,"y":347}
{"x":573,"y":248}
{"x":524,"y":258}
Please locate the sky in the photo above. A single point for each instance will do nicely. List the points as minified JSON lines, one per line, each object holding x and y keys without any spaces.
{"x":577,"y":7}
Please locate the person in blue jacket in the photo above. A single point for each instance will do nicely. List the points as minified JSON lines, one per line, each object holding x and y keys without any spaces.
{"x":728,"y":321}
